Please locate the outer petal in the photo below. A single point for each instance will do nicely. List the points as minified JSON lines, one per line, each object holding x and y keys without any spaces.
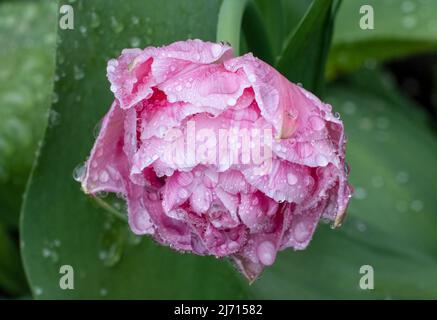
{"x":106,"y":166}
{"x":284,"y":182}
{"x":134,"y":73}
{"x":210,"y":86}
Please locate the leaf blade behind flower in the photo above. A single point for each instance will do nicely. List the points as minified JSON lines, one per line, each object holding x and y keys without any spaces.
{"x":304,"y":54}
{"x":60,"y":225}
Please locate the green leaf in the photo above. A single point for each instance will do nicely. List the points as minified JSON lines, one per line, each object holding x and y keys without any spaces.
{"x":272,"y":15}
{"x":12,"y":279}
{"x":27,"y":38}
{"x":390,"y":151}
{"x":256,"y":36}
{"x":304,"y":55}
{"x":392,"y":217}
{"x":400,"y":28}
{"x":62,"y":226}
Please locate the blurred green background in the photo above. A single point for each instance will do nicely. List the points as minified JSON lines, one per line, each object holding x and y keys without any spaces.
{"x":53,"y":92}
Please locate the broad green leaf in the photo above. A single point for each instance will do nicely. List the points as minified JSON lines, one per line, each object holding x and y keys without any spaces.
{"x":272,"y":15}
{"x":12,"y":279}
{"x":304,"y":55}
{"x":392,"y":216}
{"x":60,"y":225}
{"x":400,"y":28}
{"x":256,"y":35}
{"x":27,"y":36}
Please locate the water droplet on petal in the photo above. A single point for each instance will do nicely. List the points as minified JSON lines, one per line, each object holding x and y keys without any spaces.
{"x":321,"y":160}
{"x":316,"y":123}
{"x":79,"y":172}
{"x":305,"y":149}
{"x":291,"y":179}
{"x":216,"y":50}
{"x":232,"y":102}
{"x":183,"y":193}
{"x":301,"y":232}
{"x":266,"y":253}
{"x":185,"y":178}
{"x":104,"y":176}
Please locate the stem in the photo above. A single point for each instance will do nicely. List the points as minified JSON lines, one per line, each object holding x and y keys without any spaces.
{"x":229,"y":22}
{"x":110,"y":209}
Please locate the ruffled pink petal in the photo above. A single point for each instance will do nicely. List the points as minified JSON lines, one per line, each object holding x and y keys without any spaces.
{"x":210,"y":86}
{"x":283,"y":182}
{"x":134,"y":73}
{"x":105,"y":166}
{"x":139,"y":219}
{"x":214,"y":199}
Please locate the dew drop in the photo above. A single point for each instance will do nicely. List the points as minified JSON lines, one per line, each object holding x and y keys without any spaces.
{"x":349,"y":107}
{"x":117,"y":27}
{"x":104,"y":176}
{"x":103,"y":292}
{"x":291,"y":179}
{"x":252,"y":78}
{"x":78,"y":73}
{"x":183,"y":193}
{"x":54,"y":118}
{"x":361,"y":226}
{"x":55,"y":98}
{"x":162,"y":130}
{"x":135,"y":42}
{"x":185,"y":178}
{"x":408,"y":6}
{"x":79,"y":172}
{"x":301,"y":232}
{"x":266,"y":253}
{"x":321,"y":160}
{"x":135,"y":20}
{"x":360,"y":193}
{"x":409,"y":22}
{"x":96,"y":129}
{"x":133,"y":239}
{"x":95,"y":20}
{"x":316,"y":123}
{"x":305,"y":150}
{"x":402,"y":177}
{"x":38,"y":291}
{"x":377,"y":182}
{"x":46,"y":252}
{"x":416,"y":205}
{"x":111,"y":245}
{"x":216,"y":50}
{"x":232,"y":102}
{"x":83,"y":30}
